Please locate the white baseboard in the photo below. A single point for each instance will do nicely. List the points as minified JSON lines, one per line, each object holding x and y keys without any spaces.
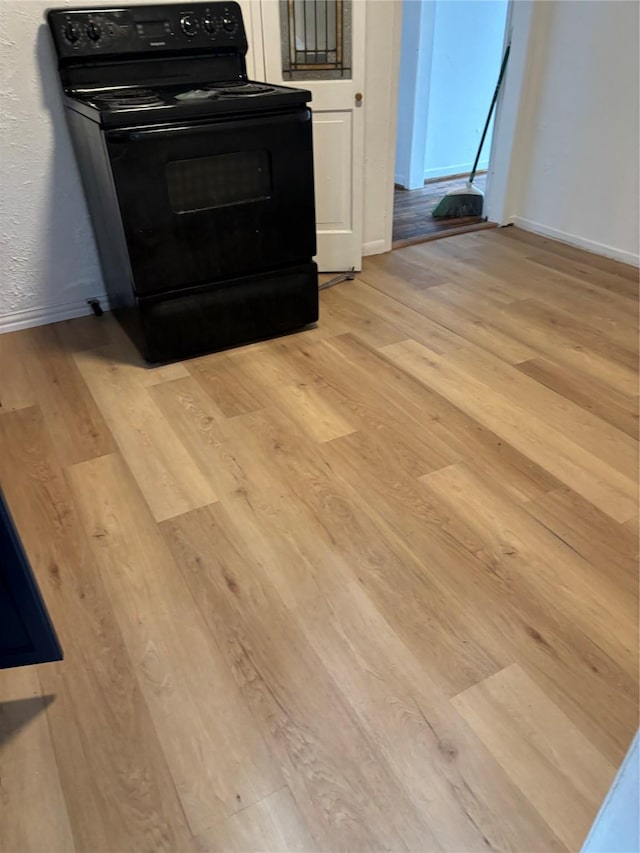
{"x":580,"y":242}
{"x":49,"y":314}
{"x":456,"y":169}
{"x":375,"y":247}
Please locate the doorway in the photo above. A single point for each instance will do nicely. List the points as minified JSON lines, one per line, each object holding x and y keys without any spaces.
{"x":450,"y":59}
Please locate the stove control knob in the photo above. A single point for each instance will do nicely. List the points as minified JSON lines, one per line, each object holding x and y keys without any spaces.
{"x":210,"y":25}
{"x":71,"y":32}
{"x":93,"y":31}
{"x":189,"y":25}
{"x":229,"y":24}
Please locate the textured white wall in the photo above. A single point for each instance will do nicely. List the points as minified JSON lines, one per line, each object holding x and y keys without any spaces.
{"x":47,"y":252}
{"x":576,"y":150}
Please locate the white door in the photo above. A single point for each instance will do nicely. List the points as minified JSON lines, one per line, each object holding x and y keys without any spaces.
{"x":324,"y":51}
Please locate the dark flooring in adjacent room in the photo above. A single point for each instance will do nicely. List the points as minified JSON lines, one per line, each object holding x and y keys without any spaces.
{"x":412,"y":210}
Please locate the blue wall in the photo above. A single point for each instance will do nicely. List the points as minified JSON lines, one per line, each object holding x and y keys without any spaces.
{"x":467,"y":50}
{"x":418,"y":20}
{"x":451,"y":53}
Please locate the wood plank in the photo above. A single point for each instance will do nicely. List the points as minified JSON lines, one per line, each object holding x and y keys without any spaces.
{"x":580,"y":261}
{"x":84,"y":333}
{"x":443,"y":549}
{"x":402,"y":265}
{"x":582,"y":336}
{"x":453,"y":261}
{"x":362,"y":320}
{"x":217,"y":759}
{"x":610,"y":491}
{"x":582,"y":257}
{"x":460,"y":649}
{"x":585,"y":588}
{"x":540,"y":618}
{"x":231,"y":389}
{"x":33,"y":806}
{"x":604,"y":315}
{"x":292,"y":391}
{"x":111,"y":765}
{"x":514,"y":262}
{"x":444,"y":769}
{"x":592,"y":306}
{"x":588,"y":531}
{"x":249,"y":490}
{"x":342,"y":787}
{"x":16,"y":391}
{"x":609,"y":405}
{"x":590,"y":432}
{"x":439,"y":432}
{"x":481,"y":332}
{"x":394,"y":415}
{"x":540,"y":749}
{"x":273,"y":825}
{"x":167,"y":475}
{"x":461,"y":225}
{"x":408,"y":323}
{"x":433,"y":487}
{"x":121,"y":349}
{"x":74,"y":422}
{"x":546,"y":340}
{"x":459,"y":293}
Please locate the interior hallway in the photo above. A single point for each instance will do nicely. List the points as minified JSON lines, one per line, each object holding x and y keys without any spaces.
{"x":412,"y":220}
{"x":368,"y":587}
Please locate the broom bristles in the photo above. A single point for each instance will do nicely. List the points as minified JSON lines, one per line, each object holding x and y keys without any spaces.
{"x":462,"y":204}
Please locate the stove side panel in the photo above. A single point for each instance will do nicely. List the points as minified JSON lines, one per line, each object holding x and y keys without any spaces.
{"x":97,"y":180}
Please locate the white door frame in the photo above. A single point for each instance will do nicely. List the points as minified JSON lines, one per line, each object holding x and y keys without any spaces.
{"x":526,"y":31}
{"x":384,"y":36}
{"x":526,"y":23}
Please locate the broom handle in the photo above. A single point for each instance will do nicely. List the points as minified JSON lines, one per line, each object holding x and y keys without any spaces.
{"x":503,"y":68}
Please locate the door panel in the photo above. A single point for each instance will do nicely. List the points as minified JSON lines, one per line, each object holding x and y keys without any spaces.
{"x":338,"y":119}
{"x":333,"y":141}
{"x":333,"y":145}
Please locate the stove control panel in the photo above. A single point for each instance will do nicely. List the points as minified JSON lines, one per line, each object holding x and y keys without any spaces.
{"x":168,"y":28}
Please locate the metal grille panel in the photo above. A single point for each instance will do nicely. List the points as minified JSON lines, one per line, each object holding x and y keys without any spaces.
{"x":316,"y":39}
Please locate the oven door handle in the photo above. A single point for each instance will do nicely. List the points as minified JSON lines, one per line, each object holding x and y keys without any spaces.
{"x":174,"y":131}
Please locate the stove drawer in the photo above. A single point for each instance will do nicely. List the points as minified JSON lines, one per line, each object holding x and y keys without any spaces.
{"x":207,"y":202}
{"x":179,"y":325}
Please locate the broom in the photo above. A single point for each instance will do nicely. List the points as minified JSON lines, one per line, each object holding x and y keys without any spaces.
{"x":468,"y":200}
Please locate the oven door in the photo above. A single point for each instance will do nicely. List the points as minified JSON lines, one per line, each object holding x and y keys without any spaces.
{"x":206,"y":202}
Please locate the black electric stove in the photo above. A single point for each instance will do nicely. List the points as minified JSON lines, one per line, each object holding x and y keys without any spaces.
{"x":119,"y":106}
{"x":199,"y":181}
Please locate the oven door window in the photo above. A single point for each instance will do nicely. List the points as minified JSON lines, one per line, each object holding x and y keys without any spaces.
{"x":223,"y":180}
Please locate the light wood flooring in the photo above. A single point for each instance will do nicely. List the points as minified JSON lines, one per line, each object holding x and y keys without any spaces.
{"x":412,"y":220}
{"x":372,"y":586}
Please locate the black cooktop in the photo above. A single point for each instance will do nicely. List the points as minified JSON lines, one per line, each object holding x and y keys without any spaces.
{"x":134,"y":97}
{"x":126,"y":105}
